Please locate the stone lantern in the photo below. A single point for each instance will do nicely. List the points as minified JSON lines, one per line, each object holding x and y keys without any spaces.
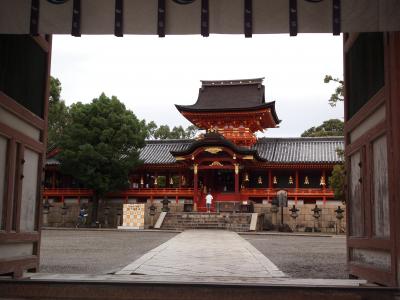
{"x":152,"y":213}
{"x":46,"y":210}
{"x":64,"y":209}
{"x":274,"y":211}
{"x":294,"y":214}
{"x":316,"y":214}
{"x":339,"y":216}
{"x":165,"y":203}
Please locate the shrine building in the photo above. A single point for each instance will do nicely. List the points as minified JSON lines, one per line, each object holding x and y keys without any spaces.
{"x":228,"y":160}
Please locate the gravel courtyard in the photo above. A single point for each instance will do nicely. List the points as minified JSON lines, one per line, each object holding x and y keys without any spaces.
{"x":94,"y":252}
{"x":102,"y":252}
{"x":304,"y":256}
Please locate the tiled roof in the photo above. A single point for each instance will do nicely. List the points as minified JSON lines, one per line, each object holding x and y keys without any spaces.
{"x":275,"y":150}
{"x":300,"y":150}
{"x":158,"y":152}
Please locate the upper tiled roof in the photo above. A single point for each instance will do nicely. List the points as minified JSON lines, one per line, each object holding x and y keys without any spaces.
{"x":231,"y":95}
{"x":275,"y":150}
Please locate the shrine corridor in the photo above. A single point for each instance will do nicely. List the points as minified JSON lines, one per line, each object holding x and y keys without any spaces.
{"x":204,"y":253}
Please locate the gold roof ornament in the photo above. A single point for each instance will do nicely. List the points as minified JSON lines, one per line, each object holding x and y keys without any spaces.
{"x":213,"y":150}
{"x":275,"y":180}
{"x":322,"y":181}
{"x":290,"y":180}
{"x":216,"y":164}
{"x":306,"y":180}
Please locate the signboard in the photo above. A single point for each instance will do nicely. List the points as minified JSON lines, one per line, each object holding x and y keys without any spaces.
{"x":133,"y":216}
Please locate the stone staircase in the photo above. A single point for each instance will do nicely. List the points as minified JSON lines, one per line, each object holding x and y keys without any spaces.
{"x":197,"y":220}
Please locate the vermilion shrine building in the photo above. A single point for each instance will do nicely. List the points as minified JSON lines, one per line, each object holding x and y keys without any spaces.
{"x":228,"y":160}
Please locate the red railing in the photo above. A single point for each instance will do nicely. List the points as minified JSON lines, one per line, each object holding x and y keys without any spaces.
{"x":188,"y":192}
{"x":292,"y":192}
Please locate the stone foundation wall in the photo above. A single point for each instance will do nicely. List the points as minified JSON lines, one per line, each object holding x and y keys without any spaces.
{"x":58,"y":217}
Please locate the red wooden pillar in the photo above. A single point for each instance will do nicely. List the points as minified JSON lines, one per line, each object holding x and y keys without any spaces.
{"x":195,"y":184}
{"x":297,"y":186}
{"x":324,"y":187}
{"x":270,"y":183}
{"x":176,"y":199}
{"x":237,"y":180}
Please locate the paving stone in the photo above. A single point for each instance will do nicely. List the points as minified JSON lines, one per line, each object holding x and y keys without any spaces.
{"x":204,"y":253}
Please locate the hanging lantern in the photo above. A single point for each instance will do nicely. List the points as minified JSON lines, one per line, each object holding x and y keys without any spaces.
{"x":259,"y":180}
{"x":171,"y":181}
{"x":183,"y":180}
{"x":141,"y":180}
{"x":275,"y":180}
{"x":155,"y":180}
{"x":246,"y":177}
{"x":290,"y":180}
{"x":322,"y":181}
{"x":306,"y":181}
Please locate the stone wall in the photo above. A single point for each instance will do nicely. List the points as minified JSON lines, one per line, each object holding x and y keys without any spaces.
{"x":305,"y":221}
{"x":58,"y":217}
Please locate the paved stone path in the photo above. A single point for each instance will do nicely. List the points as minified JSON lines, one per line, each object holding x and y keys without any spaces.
{"x":204,"y":253}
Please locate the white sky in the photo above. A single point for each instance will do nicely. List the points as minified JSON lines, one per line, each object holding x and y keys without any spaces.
{"x":151,"y":74}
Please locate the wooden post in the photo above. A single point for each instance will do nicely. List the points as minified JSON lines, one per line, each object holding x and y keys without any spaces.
{"x":297,"y":186}
{"x":195,"y":184}
{"x":270,"y":183}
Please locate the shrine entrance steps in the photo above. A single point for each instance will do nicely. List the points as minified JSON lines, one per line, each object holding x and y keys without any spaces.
{"x":238,"y":222}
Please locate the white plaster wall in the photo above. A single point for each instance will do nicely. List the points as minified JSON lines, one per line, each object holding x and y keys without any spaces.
{"x":16,"y":123}
{"x":374,"y":119}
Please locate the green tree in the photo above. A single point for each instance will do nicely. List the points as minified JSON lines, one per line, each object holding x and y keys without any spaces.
{"x":178,"y":133}
{"x":163,"y":132}
{"x":332,"y":127}
{"x":151,"y":129}
{"x":58,"y":115}
{"x":100,"y":146}
{"x":55,"y":90}
{"x":337,"y":181}
{"x":338,"y":95}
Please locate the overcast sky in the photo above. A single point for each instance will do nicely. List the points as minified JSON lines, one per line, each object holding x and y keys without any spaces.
{"x":151,"y":74}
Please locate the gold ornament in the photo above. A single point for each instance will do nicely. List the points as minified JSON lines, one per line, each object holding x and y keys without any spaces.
{"x":290,"y":180}
{"x":306,"y":181}
{"x":275,"y":180}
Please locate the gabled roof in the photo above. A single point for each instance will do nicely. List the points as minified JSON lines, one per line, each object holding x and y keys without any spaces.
{"x":216,"y":139}
{"x":231,"y":95}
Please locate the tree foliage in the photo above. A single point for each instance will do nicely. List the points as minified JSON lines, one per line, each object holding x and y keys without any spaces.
{"x":58,"y":115}
{"x":338,"y":95}
{"x":101,"y":145}
{"x":164,"y":132}
{"x":337,"y":181}
{"x":332,"y":127}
